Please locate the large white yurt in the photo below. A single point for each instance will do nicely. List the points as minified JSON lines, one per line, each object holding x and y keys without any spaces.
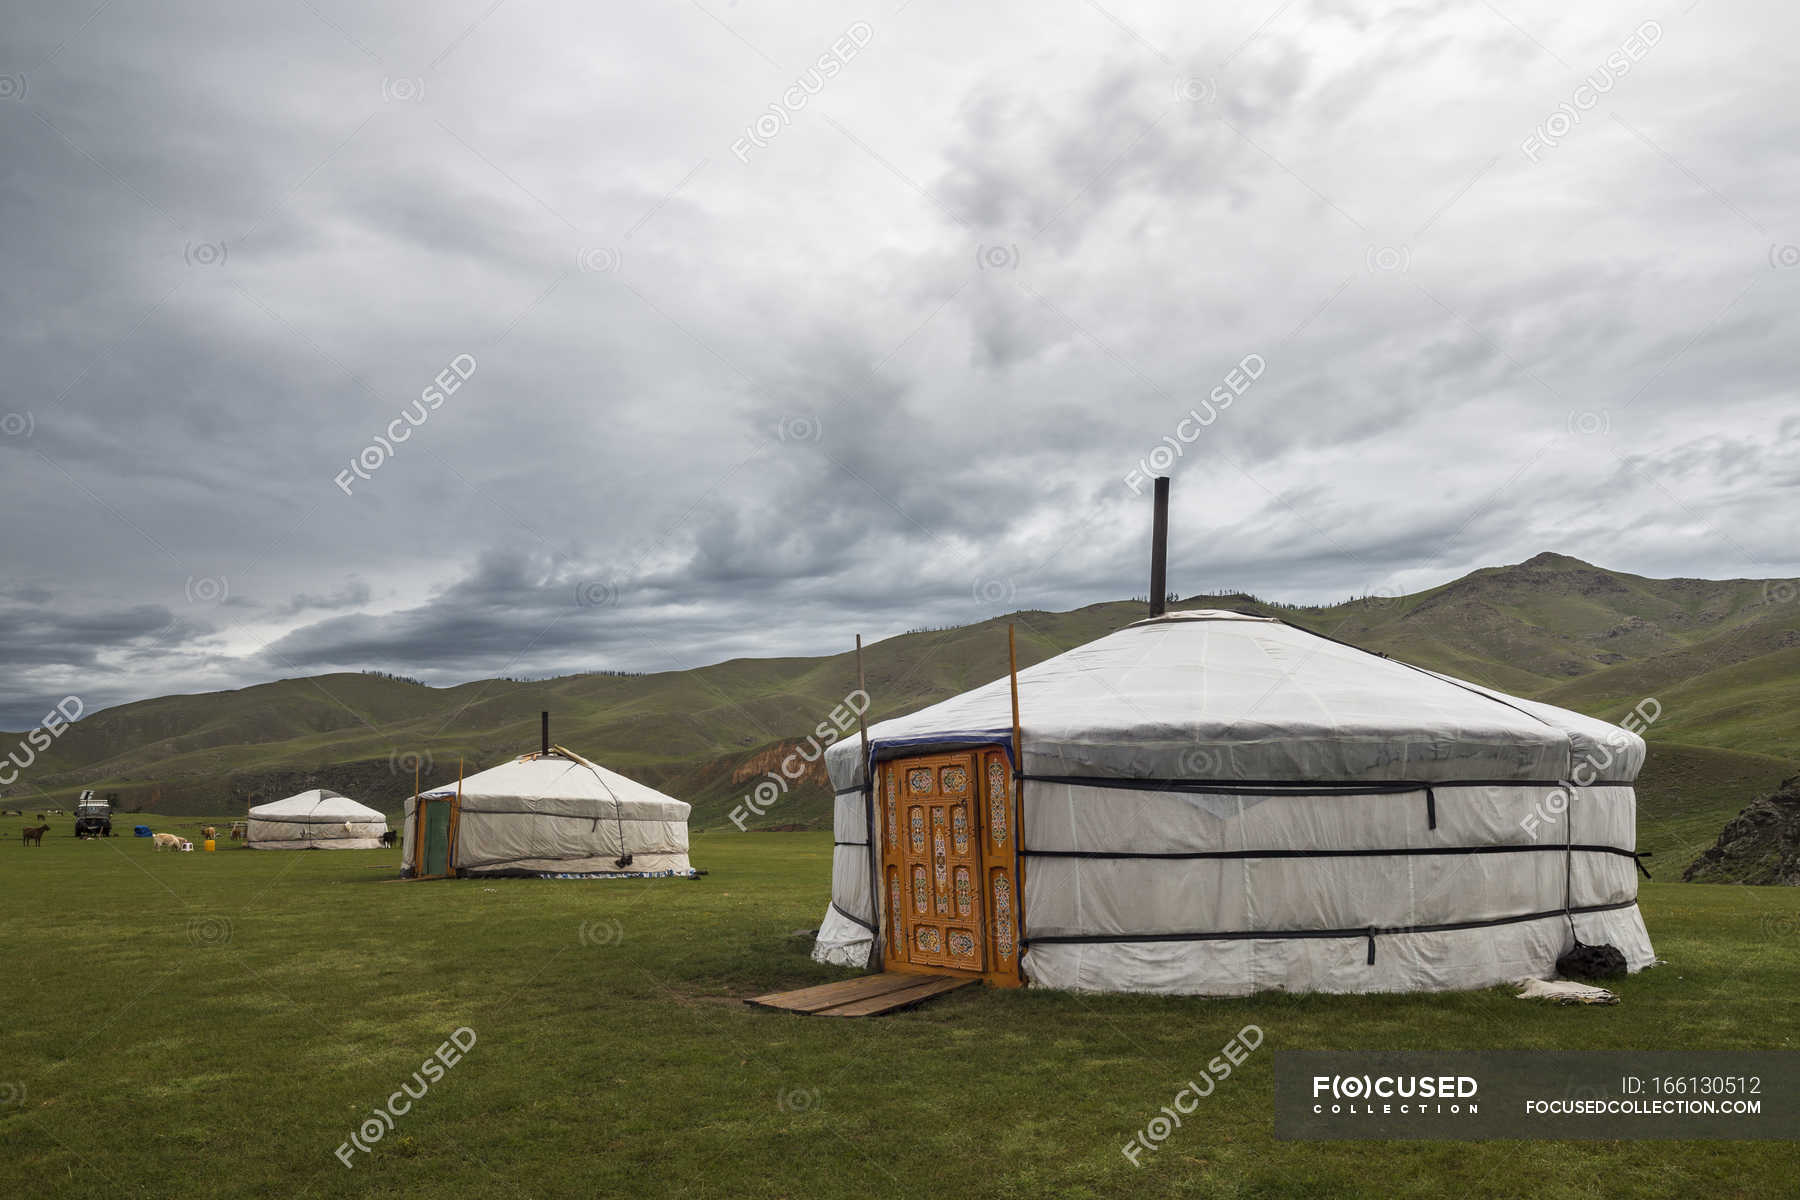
{"x":551,"y":814}
{"x":320,"y":819}
{"x":1217,"y":803}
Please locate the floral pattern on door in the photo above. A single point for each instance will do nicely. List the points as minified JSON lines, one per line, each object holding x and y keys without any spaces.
{"x":951,"y":857}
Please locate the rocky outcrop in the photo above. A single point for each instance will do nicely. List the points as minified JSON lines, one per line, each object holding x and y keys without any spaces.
{"x":793,"y":755}
{"x":1759,"y":845}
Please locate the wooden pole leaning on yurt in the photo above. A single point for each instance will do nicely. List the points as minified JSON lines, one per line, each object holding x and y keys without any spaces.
{"x":868,"y":771}
{"x":1018,"y":753}
{"x":455,"y":820}
{"x":1159,"y":549}
{"x":1012,"y":670}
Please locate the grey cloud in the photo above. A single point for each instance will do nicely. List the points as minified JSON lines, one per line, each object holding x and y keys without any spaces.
{"x":352,"y":594}
{"x":971,"y":419}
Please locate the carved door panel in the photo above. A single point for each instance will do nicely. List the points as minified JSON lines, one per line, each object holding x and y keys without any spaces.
{"x":999,"y":851}
{"x":937,"y":874}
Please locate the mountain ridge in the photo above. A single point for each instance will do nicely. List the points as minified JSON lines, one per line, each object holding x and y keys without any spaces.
{"x":1721,"y":656}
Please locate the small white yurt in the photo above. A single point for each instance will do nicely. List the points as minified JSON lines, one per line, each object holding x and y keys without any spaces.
{"x":317,"y":820}
{"x":551,"y":814}
{"x":1217,"y":803}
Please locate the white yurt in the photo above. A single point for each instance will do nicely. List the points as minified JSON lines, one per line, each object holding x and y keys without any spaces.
{"x":320,"y":819}
{"x":551,"y":814}
{"x":1217,"y":803}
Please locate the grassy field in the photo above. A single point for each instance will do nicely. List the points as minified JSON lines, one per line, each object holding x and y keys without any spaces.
{"x":220,"y":1024}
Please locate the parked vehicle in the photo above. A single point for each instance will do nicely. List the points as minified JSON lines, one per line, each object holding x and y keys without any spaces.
{"x":93,"y":818}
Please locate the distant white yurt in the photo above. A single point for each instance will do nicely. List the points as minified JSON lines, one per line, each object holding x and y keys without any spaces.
{"x":1218,"y":803}
{"x":317,"y":820}
{"x":551,"y":814}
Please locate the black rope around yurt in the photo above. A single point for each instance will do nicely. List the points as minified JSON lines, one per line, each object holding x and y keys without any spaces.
{"x":1368,"y":931}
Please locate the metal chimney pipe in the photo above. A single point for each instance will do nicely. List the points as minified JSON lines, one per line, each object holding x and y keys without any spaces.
{"x":546,"y":723}
{"x":1159,"y":549}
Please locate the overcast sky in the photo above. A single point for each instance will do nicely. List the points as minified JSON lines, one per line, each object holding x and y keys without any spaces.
{"x":784,"y":322}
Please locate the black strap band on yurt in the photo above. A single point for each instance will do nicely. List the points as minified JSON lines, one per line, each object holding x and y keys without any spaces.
{"x":310,"y":821}
{"x":1274,"y":935}
{"x":1430,"y":809}
{"x":850,"y":916}
{"x":1302,"y":787}
{"x":1374,"y":852}
{"x":590,"y":818}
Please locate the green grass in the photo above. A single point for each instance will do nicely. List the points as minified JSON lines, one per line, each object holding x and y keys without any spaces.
{"x":213,"y":1025}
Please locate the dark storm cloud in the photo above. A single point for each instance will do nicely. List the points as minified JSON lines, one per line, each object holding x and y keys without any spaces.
{"x":53,"y":649}
{"x":899,"y":366}
{"x":34,"y":636}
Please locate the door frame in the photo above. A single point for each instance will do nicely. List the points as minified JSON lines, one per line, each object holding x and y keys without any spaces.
{"x":420,"y":804}
{"x":995,"y":814}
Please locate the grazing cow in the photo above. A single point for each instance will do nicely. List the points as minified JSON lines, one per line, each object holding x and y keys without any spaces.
{"x":36,"y":836}
{"x":40,"y":816}
{"x":164,"y":841}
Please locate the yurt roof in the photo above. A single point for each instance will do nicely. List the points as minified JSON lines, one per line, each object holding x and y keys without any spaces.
{"x":320,"y":804}
{"x":1216,"y":695}
{"x":562,"y":783}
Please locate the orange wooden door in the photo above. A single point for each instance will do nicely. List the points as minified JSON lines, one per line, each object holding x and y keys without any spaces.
{"x":947,"y":878}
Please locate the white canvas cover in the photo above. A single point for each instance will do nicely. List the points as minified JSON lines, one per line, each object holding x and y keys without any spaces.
{"x":1219,"y":803}
{"x":560,"y":814}
{"x":319,"y":819}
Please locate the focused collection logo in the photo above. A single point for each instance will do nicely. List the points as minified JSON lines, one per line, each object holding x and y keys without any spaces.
{"x":1394,"y":1095}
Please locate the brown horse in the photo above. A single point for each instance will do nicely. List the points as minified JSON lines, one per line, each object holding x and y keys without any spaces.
{"x":36,"y":835}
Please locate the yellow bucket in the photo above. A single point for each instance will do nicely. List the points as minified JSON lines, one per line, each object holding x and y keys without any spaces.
{"x":209,"y":845}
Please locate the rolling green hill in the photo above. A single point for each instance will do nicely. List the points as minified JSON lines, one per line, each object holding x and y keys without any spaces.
{"x":1721,"y":656}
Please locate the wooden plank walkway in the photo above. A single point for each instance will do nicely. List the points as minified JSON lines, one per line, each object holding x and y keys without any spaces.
{"x":864,"y":996}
